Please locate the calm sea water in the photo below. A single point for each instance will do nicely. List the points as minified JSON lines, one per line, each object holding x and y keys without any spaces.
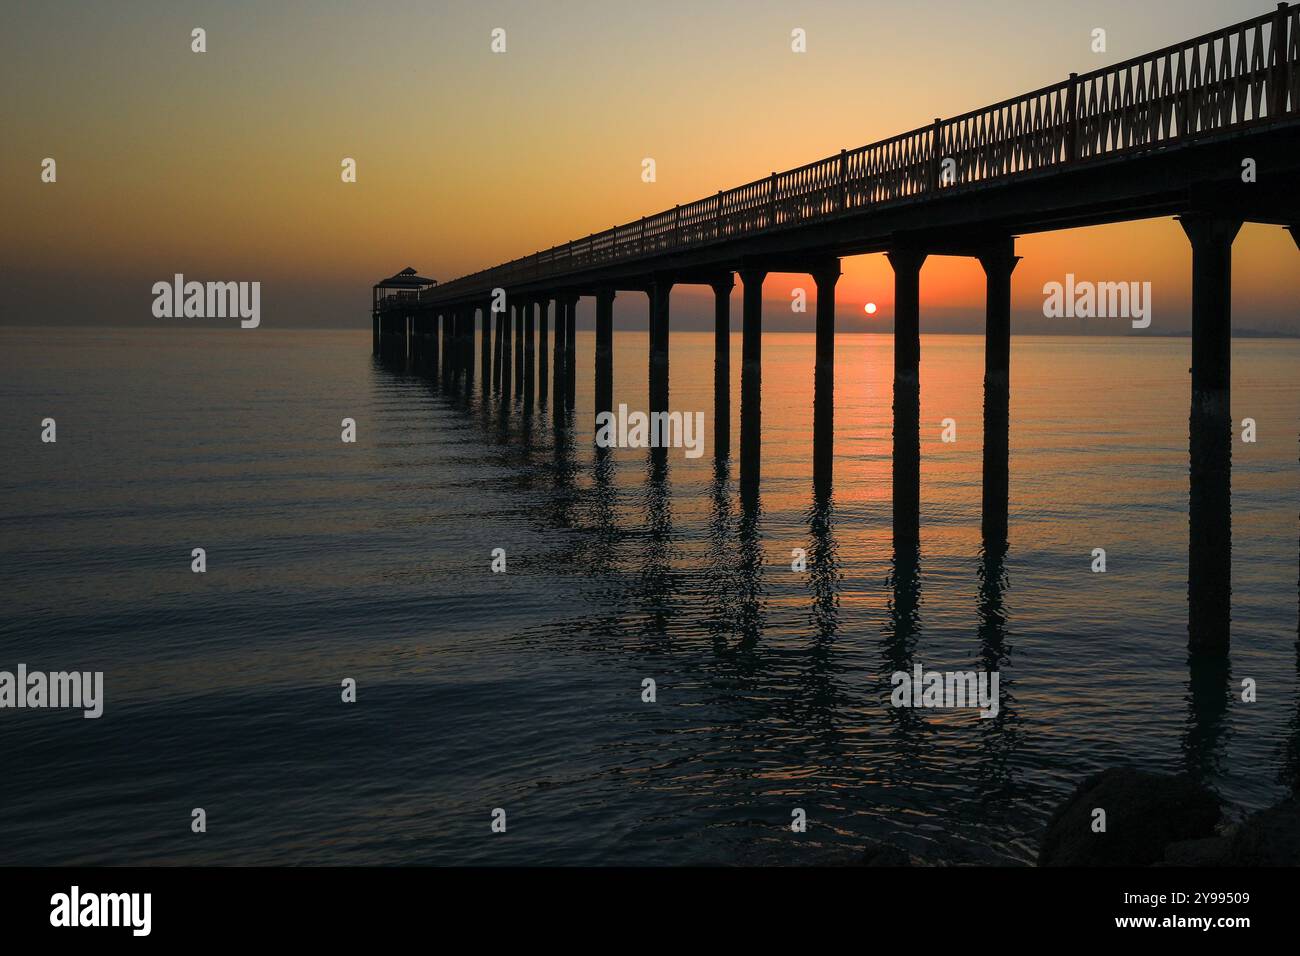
{"x":523,"y":690}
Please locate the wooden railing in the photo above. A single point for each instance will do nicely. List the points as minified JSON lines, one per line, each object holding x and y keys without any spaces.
{"x":1240,"y":76}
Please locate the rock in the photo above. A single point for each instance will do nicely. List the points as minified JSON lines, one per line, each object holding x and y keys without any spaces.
{"x":1268,"y":838}
{"x":1208,"y":851}
{"x":879,"y":854}
{"x":1145,"y":812}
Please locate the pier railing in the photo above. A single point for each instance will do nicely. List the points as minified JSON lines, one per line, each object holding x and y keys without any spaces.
{"x":1236,"y":77}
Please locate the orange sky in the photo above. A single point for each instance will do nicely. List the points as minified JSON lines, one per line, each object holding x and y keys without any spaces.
{"x":225,"y":164}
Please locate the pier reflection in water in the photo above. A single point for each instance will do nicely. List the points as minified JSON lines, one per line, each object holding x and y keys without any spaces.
{"x":785,"y":676}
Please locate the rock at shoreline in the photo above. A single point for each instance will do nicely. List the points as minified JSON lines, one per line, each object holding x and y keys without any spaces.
{"x":880,"y":854}
{"x":1268,"y":838}
{"x":1145,"y":813}
{"x":1208,"y":851}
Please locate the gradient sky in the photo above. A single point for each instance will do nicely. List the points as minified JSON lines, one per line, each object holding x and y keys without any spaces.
{"x":225,"y":165}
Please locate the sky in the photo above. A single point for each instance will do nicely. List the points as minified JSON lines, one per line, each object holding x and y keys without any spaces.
{"x":225,"y":165}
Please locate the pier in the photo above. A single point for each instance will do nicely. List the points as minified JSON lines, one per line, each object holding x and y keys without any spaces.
{"x":1163,"y":134}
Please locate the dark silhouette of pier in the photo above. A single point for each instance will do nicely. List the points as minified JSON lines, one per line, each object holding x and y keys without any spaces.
{"x":1169,"y":133}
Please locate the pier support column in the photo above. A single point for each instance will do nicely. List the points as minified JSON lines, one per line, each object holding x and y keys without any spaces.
{"x":517,"y":312}
{"x":496,"y":352}
{"x":374,"y":333}
{"x":447,"y":343}
{"x":507,"y":353}
{"x":440,"y":331}
{"x":826,"y":276}
{"x":604,"y":350}
{"x":998,"y":262}
{"x":431,"y":343}
{"x":485,"y":347}
{"x":454,"y":345}
{"x":450,"y":342}
{"x":1209,"y":584}
{"x":722,"y":366}
{"x":434,"y":353}
{"x":468,"y":346}
{"x":530,"y":350}
{"x":571,"y":351}
{"x":470,"y":319}
{"x":907,"y":262}
{"x":558,"y":388}
{"x":660,"y":291}
{"x":545,"y":304}
{"x":457,"y":342}
{"x":751,"y":380}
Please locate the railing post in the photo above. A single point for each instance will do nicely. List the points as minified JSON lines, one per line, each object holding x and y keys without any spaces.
{"x":643,"y":235}
{"x":677,"y":225}
{"x":1072,"y":120}
{"x":717,"y":218}
{"x":771,"y":203}
{"x":844,"y":179}
{"x":1281,"y":66}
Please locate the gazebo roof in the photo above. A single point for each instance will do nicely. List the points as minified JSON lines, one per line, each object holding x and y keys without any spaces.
{"x":406,"y":279}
